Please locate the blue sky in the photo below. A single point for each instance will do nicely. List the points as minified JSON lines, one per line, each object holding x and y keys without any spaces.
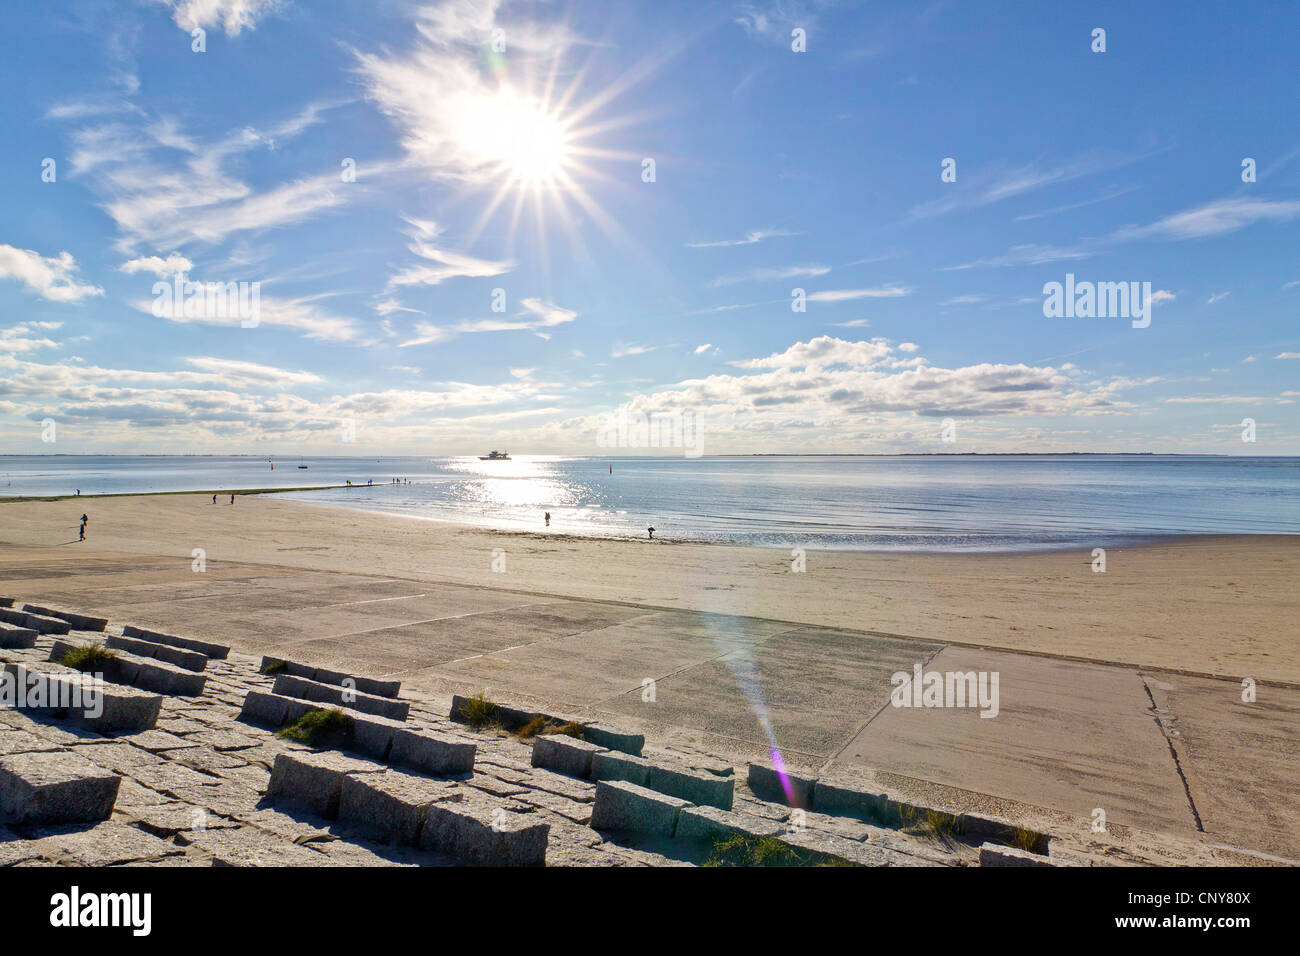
{"x":499,"y":151}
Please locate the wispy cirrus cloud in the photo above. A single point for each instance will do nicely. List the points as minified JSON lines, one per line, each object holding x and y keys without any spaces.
{"x":446,"y":263}
{"x":848,"y":295}
{"x":537,"y":316}
{"x":750,"y":238}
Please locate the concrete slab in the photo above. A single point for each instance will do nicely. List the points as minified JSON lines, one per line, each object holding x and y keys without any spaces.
{"x":1068,"y":736}
{"x":1239,"y":759}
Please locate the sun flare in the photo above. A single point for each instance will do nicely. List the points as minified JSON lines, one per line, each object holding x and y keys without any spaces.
{"x":517,"y":135}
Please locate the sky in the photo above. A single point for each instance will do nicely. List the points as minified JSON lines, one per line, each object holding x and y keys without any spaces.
{"x":441,"y":228}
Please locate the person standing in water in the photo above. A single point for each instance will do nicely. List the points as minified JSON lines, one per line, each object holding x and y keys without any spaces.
{"x":548,"y":519}
{"x":652,"y":532}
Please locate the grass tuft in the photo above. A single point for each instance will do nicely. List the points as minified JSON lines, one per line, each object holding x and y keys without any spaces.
{"x":571,"y":729}
{"x":1025,"y":839}
{"x":89,"y":658}
{"x":538,"y":725}
{"x":479,"y":712}
{"x":741,"y":850}
{"x":318,"y":727}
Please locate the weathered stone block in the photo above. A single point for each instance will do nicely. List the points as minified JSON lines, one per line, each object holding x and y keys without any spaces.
{"x":315,"y":780}
{"x":620,"y":766}
{"x":82,"y":622}
{"x":603,"y":735}
{"x":709,"y":825}
{"x":622,"y":806}
{"x":841,"y":799}
{"x":47,"y":788}
{"x":263,"y":708}
{"x":214,"y":651}
{"x":366,"y":685}
{"x":290,"y":686}
{"x":391,"y":805}
{"x":36,"y":622}
{"x":765,"y":783}
{"x":993,"y":854}
{"x":692,"y":786}
{"x":481,"y":832}
{"x":564,"y":754}
{"x":17,"y":637}
{"x":189,"y":660}
{"x":432,"y":754}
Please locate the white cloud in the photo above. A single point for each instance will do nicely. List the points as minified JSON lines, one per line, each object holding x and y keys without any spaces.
{"x":162,"y":268}
{"x":231,"y":15}
{"x":770,"y":275}
{"x":53,"y":278}
{"x":1216,"y":297}
{"x":750,"y":238}
{"x":846,"y":295}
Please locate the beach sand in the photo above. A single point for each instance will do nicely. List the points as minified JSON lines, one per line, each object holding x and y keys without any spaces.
{"x":1120,"y":690}
{"x":1225,"y":605}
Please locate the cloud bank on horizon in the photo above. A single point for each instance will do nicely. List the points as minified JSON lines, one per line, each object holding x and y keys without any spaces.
{"x":811,"y":226}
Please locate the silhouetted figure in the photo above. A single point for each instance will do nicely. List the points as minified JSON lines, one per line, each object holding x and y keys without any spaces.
{"x":214,"y":499}
{"x":652,"y":531}
{"x":548,"y":519}
{"x":83,"y":533}
{"x":232,"y":499}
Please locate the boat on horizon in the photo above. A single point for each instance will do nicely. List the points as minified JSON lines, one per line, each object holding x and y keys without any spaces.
{"x":495,"y":456}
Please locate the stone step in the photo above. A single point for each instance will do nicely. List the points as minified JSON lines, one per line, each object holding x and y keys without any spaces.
{"x":17,"y":637}
{"x":367,"y":685}
{"x":132,"y":670}
{"x":564,"y":754}
{"x":82,"y":622}
{"x":479,"y":831}
{"x":624,"y":807}
{"x":40,"y":789}
{"x":376,"y":737}
{"x":63,"y":693}
{"x":190,"y":660}
{"x":315,"y":779}
{"x":392,"y":805}
{"x":218,"y":652}
{"x":287,"y":685}
{"x":36,"y":622}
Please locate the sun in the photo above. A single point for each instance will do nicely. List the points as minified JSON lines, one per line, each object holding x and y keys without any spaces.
{"x":526,"y":142}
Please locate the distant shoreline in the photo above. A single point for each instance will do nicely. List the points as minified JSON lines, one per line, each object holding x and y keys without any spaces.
{"x":201,"y":491}
{"x":756,"y":454}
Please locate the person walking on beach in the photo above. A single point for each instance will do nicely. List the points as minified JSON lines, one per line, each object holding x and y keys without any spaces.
{"x":214,"y":499}
{"x":232,"y":499}
{"x":82,"y":536}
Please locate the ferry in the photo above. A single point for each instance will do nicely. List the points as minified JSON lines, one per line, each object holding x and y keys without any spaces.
{"x":495,"y":456}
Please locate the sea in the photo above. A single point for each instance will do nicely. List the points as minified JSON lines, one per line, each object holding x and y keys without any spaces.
{"x":854,"y":503}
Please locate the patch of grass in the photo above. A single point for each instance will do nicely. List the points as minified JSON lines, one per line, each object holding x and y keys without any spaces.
{"x":943,"y":824}
{"x":741,"y":850}
{"x":275,"y":667}
{"x":479,"y":712}
{"x":1025,"y":839}
{"x":538,"y":725}
{"x":571,"y":729}
{"x":88,"y":659}
{"x":319,"y":727}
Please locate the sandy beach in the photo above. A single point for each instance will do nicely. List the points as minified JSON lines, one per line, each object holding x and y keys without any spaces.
{"x":1120,"y":690}
{"x":1224,"y":606}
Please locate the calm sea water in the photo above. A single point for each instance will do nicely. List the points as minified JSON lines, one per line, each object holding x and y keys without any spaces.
{"x":956,"y":503}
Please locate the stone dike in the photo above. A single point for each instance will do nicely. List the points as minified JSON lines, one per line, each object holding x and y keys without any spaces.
{"x":198,"y":756}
